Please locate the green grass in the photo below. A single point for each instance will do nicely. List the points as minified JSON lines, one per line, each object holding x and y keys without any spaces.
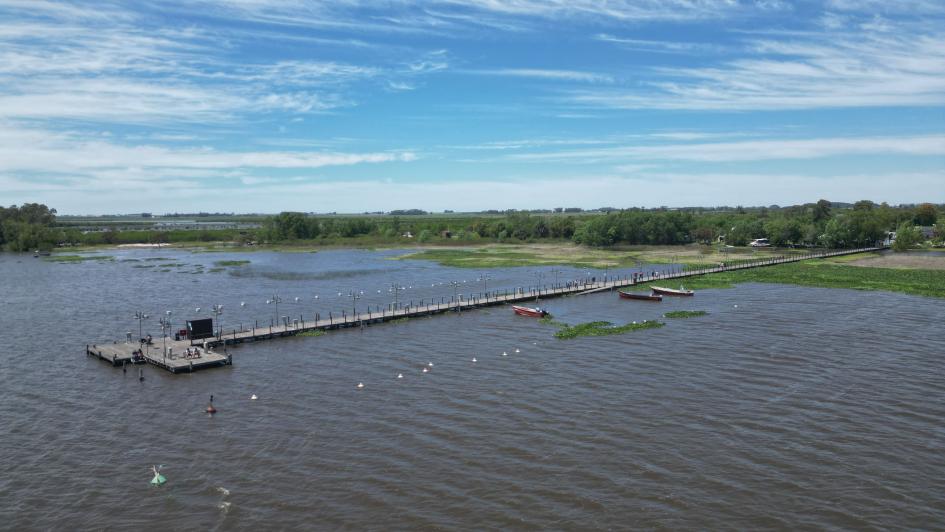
{"x":222,"y":263}
{"x":77,"y":258}
{"x":603,"y":328}
{"x":685,"y":314}
{"x":498,"y":258}
{"x":312,"y":333}
{"x":816,"y":273}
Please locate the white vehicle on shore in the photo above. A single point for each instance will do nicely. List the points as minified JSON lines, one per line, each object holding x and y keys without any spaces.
{"x":760,"y":243}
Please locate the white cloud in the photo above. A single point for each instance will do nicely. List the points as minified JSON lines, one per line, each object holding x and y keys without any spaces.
{"x":756,"y":150}
{"x":43,"y":154}
{"x":877,"y":66}
{"x":584,"y":190}
{"x":562,"y":75}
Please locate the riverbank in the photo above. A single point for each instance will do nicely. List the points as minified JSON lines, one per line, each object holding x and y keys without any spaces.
{"x":513,"y":255}
{"x":823,"y":274}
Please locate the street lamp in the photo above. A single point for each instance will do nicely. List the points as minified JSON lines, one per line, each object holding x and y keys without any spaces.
{"x":556,"y":272}
{"x":140,"y":316}
{"x":485,"y":280}
{"x":455,"y":285}
{"x":165,"y":326}
{"x":355,"y":296}
{"x":396,"y":289}
{"x":275,"y":300}
{"x":217,"y":310}
{"x":539,"y":276}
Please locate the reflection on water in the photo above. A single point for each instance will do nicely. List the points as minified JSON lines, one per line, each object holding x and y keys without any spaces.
{"x":782,"y":407}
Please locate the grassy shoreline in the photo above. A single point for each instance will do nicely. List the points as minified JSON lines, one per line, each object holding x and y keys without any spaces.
{"x":822,"y":274}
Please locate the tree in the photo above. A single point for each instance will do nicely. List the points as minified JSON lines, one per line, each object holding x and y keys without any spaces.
{"x":907,"y":237}
{"x":863,"y":205}
{"x":925,"y":214}
{"x":821,"y":210}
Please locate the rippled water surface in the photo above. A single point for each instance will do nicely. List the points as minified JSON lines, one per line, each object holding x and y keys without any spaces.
{"x":785,"y":407}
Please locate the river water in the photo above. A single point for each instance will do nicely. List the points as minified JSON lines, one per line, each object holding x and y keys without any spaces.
{"x":784,"y":407}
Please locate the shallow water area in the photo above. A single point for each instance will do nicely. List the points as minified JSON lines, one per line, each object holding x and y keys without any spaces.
{"x":782,"y":407}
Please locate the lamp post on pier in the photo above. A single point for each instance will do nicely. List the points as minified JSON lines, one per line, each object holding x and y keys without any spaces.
{"x":217,"y":310}
{"x":140,"y":316}
{"x":355,"y":296}
{"x":274,"y":300}
{"x":165,"y":326}
{"x":485,"y":283}
{"x":395,"y":289}
{"x":455,"y":285}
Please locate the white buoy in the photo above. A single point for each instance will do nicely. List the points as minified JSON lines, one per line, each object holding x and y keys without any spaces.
{"x":474,"y":359}
{"x":517,"y":350}
{"x":316,"y":297}
{"x":430,"y":364}
{"x":400,"y":375}
{"x":242,"y":303}
{"x":254,"y":397}
{"x":296,"y":299}
{"x":360,"y":385}
{"x":424,"y":370}
{"x":736,"y":306}
{"x":504,"y":354}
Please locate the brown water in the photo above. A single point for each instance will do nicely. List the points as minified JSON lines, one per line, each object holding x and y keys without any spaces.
{"x":799,"y":408}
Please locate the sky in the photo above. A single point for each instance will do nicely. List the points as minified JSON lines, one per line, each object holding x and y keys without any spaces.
{"x":262,"y":106}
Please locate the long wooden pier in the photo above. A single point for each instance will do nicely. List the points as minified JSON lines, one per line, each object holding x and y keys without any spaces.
{"x":170,"y":354}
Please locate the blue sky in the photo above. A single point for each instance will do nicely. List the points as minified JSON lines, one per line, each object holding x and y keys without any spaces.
{"x":347,"y":106}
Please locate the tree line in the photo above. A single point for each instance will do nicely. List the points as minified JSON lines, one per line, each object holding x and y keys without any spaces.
{"x":33,"y":226}
{"x":814,"y":224}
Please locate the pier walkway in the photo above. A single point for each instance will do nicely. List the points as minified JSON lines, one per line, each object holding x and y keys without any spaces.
{"x":168,"y":354}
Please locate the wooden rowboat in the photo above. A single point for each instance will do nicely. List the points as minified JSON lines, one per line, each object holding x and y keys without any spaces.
{"x":641,"y":297}
{"x":670,"y":291}
{"x":528,"y":311}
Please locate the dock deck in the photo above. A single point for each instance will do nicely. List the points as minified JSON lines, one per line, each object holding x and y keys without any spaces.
{"x":120,"y":353}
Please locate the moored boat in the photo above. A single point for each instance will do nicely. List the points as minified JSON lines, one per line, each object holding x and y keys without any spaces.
{"x":671,"y":292}
{"x":641,"y":297}
{"x":528,"y":311}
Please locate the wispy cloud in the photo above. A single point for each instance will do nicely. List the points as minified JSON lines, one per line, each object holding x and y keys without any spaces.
{"x":93,"y":160}
{"x":756,"y":150}
{"x":856,"y":68}
{"x":673,"y":47}
{"x":561,"y":75}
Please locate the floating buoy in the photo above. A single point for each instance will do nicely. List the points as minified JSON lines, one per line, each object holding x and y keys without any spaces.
{"x":253,"y":397}
{"x":400,"y":375}
{"x":158,"y":478}
{"x":504,"y":354}
{"x":517,"y":350}
{"x":474,"y":359}
{"x":736,"y":306}
{"x":430,"y":364}
{"x":424,"y":370}
{"x":360,"y":385}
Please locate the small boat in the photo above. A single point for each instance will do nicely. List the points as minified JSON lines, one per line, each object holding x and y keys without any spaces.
{"x":641,"y":297}
{"x":532,"y":312}
{"x":671,"y":292}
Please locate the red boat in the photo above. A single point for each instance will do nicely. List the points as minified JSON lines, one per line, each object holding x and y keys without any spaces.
{"x":671,"y":292}
{"x":532,"y":312}
{"x":641,"y":297}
